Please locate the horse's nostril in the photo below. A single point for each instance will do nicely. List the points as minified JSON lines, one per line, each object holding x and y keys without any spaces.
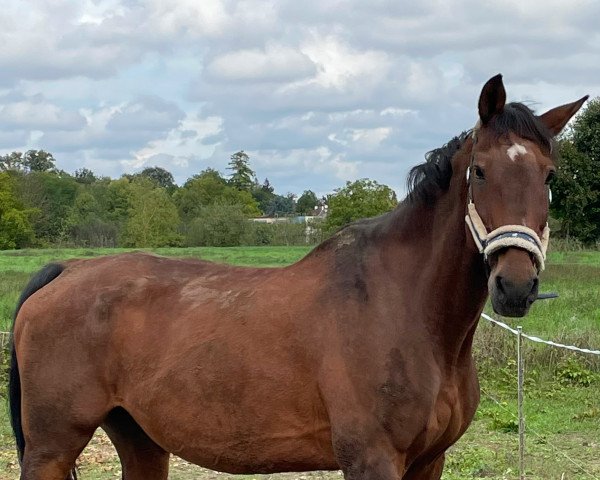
{"x":500,"y":284}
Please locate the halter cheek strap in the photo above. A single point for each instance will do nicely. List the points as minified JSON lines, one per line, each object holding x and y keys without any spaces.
{"x":505,"y":236}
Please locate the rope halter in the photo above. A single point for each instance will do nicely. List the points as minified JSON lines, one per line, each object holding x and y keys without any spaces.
{"x":505,"y":236}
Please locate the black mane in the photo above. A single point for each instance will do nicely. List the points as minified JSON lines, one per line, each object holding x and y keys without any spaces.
{"x":427,"y":180}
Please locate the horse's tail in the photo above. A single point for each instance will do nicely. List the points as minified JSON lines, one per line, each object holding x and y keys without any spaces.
{"x":39,"y":280}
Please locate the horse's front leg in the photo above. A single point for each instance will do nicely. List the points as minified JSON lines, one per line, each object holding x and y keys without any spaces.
{"x":372,"y":459}
{"x":429,"y":471}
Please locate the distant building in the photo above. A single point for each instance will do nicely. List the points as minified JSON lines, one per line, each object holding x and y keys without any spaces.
{"x":319,"y":214}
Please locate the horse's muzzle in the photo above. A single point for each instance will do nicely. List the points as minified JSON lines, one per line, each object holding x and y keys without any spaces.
{"x":512,"y":299}
{"x":513,"y":283}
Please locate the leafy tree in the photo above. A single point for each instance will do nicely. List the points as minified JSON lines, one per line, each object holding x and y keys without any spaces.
{"x":267,"y":187}
{"x":209,"y":188}
{"x":360,"y":199}
{"x":85,"y":206}
{"x":280,"y":205}
{"x":85,"y":176}
{"x":218,"y":226}
{"x":200,"y":190}
{"x":152,"y":217}
{"x":11,"y":161}
{"x":87,"y":220}
{"x":576,"y":188}
{"x":100,"y":212}
{"x":114,"y":198}
{"x":15,"y":226}
{"x":53,"y":195}
{"x":242,"y":176}
{"x":38,"y":161}
{"x":263,"y":194}
{"x":160,"y":176}
{"x":307,"y":202}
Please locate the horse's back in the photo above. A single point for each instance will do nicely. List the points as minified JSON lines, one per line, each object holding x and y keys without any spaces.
{"x":131,"y":279}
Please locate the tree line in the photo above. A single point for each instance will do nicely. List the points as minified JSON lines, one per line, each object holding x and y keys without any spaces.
{"x":41,"y":205}
{"x":576,"y":187}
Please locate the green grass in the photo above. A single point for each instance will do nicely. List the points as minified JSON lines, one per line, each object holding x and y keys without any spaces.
{"x":562,"y":419}
{"x":562,"y":404}
{"x":591,"y":257}
{"x":31,"y":260}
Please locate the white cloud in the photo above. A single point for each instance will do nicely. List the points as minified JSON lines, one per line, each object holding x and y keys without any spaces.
{"x":274,"y":63}
{"x":396,"y":112}
{"x":362,"y":138}
{"x":183,"y":144}
{"x":205,"y":18}
{"x":340,"y":65}
{"x":148,"y":113}
{"x":321,"y":164}
{"x":37,"y":113}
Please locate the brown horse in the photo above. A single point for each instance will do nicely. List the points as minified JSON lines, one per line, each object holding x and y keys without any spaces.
{"x":356,"y":357}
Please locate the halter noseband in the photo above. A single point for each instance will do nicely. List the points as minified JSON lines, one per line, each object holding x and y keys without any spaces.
{"x":505,"y":236}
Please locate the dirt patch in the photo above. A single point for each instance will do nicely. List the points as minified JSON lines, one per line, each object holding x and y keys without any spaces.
{"x":99,"y":460}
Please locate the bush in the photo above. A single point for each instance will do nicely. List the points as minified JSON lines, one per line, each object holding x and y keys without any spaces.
{"x":228,"y":226}
{"x":259,"y":234}
{"x":218,"y":226}
{"x":571,"y":372}
{"x":285,"y":233}
{"x":95,"y":233}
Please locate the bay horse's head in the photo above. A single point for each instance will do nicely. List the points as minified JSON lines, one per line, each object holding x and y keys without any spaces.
{"x":511,"y":165}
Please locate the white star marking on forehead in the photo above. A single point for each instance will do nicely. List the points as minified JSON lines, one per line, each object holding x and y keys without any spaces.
{"x":515,"y":150}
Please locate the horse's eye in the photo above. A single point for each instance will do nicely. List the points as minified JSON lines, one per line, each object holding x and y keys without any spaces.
{"x":550,"y":176}
{"x":479,"y":174}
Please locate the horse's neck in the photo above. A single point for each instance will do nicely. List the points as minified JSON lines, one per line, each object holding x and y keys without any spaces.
{"x":450,"y":286}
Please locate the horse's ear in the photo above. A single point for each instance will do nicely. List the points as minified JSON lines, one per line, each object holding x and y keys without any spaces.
{"x":492,"y":99}
{"x":556,"y":119}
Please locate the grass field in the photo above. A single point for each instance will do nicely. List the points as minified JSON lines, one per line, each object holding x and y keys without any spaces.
{"x":562,"y":402}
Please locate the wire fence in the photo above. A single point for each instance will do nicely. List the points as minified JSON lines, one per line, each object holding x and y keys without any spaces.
{"x":519,"y":416}
{"x":538,"y":339}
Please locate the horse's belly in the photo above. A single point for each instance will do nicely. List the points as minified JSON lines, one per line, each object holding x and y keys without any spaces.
{"x":264,"y":454}
{"x":246,"y":440}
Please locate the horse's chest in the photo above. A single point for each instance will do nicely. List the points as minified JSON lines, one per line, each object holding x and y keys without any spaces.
{"x":450,"y":415}
{"x":430,"y":421}
{"x":447,"y":418}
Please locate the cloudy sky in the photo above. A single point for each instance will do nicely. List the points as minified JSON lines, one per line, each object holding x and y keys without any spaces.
{"x":317,"y":92}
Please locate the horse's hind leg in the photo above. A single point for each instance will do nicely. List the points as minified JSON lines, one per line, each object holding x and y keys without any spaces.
{"x":141,"y":458}
{"x":50,"y":454}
